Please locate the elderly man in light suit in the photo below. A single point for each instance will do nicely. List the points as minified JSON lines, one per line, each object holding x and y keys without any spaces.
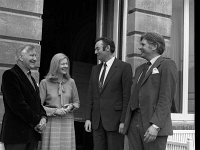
{"x":148,"y":118}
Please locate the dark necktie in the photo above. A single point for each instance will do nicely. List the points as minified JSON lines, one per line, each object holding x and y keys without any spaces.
{"x":102,"y":77}
{"x":31,"y":79}
{"x":144,"y":71}
{"x":135,"y":104}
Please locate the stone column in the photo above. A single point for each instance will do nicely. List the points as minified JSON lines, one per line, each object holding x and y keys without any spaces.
{"x":143,"y":16}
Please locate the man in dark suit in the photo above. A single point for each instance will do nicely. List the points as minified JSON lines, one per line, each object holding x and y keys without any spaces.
{"x":24,"y":116}
{"x":148,"y":118}
{"x":108,"y":96}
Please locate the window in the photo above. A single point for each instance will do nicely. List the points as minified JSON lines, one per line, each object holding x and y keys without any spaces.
{"x":176,"y":51}
{"x":109,"y":21}
{"x":191,"y":81}
{"x":182,"y":44}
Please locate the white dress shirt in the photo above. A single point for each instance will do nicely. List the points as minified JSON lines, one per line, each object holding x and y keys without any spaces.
{"x":109,"y":64}
{"x":153,"y":60}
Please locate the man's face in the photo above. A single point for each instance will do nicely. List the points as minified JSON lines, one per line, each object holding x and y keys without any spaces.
{"x":28,"y":58}
{"x":100,"y":51}
{"x":63,"y":66}
{"x":145,"y":48}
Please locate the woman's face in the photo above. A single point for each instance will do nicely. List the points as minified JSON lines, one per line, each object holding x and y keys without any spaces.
{"x":63,"y":67}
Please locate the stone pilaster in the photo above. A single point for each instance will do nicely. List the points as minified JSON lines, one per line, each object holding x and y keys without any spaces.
{"x":143,"y":16}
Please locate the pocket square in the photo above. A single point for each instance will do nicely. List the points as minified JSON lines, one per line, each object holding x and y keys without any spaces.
{"x":155,"y":70}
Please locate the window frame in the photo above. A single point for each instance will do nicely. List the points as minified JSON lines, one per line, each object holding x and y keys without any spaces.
{"x":116,"y":21}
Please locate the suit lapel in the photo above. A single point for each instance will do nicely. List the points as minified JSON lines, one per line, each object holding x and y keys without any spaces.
{"x":138,"y":73}
{"x":25,"y":79}
{"x":155,"y":65}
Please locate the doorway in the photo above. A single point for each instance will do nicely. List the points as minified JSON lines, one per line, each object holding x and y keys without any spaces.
{"x":71,"y":29}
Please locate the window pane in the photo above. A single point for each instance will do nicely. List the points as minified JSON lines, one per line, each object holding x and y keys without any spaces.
{"x":176,"y":51}
{"x":108,"y":18}
{"x":191,"y":90}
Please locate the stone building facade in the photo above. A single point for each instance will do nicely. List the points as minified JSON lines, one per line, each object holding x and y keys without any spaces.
{"x":28,"y":22}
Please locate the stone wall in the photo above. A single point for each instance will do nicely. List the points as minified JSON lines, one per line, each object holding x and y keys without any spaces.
{"x":20,"y":24}
{"x":143,"y":16}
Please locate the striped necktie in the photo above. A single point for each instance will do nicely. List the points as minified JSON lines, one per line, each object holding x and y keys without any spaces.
{"x":102,"y":77}
{"x":31,"y":79}
{"x":146,"y":66}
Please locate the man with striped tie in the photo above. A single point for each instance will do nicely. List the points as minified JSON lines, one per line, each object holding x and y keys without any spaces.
{"x":148,"y":118}
{"x":108,"y":96}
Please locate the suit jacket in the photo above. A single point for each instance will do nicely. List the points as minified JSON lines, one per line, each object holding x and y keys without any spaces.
{"x":111,"y":103}
{"x":23,"y":109}
{"x":155,"y":96}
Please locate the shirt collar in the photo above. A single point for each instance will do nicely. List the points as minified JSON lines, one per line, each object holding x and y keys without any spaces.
{"x":154,"y":59}
{"x":110,"y":62}
{"x":23,"y":69}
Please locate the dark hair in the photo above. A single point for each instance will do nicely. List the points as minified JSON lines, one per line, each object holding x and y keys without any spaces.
{"x":106,"y":42}
{"x":155,"y":39}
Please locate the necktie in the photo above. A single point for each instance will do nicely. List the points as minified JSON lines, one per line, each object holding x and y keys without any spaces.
{"x":31,"y":79}
{"x":29,"y":73}
{"x":102,"y":77}
{"x":146,"y":66}
{"x":135,"y":104}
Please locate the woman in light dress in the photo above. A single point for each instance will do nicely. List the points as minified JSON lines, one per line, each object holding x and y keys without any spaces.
{"x":59,"y":97}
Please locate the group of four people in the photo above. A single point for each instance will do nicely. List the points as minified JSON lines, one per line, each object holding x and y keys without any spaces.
{"x":117,"y":104}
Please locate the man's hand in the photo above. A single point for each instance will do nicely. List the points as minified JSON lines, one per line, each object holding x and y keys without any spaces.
{"x":150,"y":134}
{"x":2,"y":147}
{"x":88,"y":125}
{"x":41,"y":126}
{"x":121,"y":127}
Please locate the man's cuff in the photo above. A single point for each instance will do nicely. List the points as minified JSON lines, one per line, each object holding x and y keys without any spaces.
{"x":45,"y":118}
{"x":156,"y":127}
